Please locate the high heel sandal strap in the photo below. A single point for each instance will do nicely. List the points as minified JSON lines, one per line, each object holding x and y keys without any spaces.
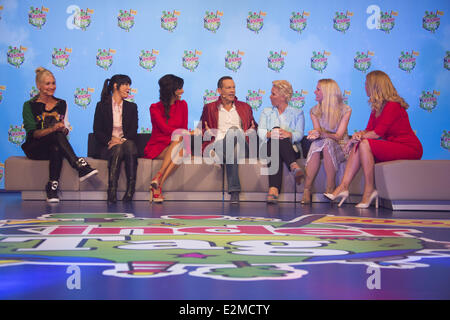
{"x":155,"y":181}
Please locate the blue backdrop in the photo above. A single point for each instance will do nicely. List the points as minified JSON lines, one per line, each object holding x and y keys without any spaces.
{"x":85,"y":42}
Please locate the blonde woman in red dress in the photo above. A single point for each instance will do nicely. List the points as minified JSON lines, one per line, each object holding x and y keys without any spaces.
{"x":168,"y":115}
{"x":388,"y":136}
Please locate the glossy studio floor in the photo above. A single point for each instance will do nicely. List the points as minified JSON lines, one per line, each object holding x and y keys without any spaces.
{"x":185,"y":250}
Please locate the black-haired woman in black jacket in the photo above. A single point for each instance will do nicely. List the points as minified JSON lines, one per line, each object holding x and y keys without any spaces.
{"x":115,"y":129}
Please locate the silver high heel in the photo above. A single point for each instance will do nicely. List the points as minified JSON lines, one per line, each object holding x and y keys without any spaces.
{"x":343,"y":194}
{"x":364,"y":205}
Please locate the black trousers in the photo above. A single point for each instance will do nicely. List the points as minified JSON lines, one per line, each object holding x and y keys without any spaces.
{"x":286,"y":154}
{"x":128,"y":148}
{"x":127,"y":152}
{"x":54,"y":147}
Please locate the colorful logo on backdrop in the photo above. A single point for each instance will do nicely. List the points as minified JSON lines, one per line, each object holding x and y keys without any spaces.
{"x":345,"y":96}
{"x":341,"y":21}
{"x":16,"y":135}
{"x":37,"y":17}
{"x":60,"y":57}
{"x":217,"y":247}
{"x":169,"y":20}
{"x":447,"y":60}
{"x":255,"y":98}
{"x":233,"y":60}
{"x":145,"y":130}
{"x":2,"y":88}
{"x":275,"y":61}
{"x":445,"y":140}
{"x":2,"y":171}
{"x":191,"y":59}
{"x":33,"y":92}
{"x":431,"y":20}
{"x":387,"y":21}
{"x":298,"y":21}
{"x":16,"y":56}
{"x":407,"y":61}
{"x":83,"y":97}
{"x":319,"y":61}
{"x":211,"y":21}
{"x":104,"y":58}
{"x":255,"y":21}
{"x":298,"y":99}
{"x":131,"y":95}
{"x":147,"y":59}
{"x":83,"y":18}
{"x":363,"y":61}
{"x":125,"y":19}
{"x":210,"y":96}
{"x":428,"y":100}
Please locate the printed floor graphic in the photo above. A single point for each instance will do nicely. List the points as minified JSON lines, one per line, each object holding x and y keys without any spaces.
{"x":315,"y":256}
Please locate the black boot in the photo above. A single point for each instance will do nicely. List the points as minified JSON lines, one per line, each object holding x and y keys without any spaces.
{"x":130,"y":170}
{"x":113,"y":177}
{"x":112,"y":194}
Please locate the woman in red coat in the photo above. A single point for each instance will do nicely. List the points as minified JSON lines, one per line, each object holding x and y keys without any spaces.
{"x":388,"y":136}
{"x":168,"y":115}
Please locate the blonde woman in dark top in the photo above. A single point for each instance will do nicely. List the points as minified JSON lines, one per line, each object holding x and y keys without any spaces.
{"x":46,"y":126}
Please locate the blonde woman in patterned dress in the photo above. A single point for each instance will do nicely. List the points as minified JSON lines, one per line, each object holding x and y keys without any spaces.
{"x":330,"y":119}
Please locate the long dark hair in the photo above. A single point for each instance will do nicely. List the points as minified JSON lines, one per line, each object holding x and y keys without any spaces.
{"x":168,"y":84}
{"x":108,"y":85}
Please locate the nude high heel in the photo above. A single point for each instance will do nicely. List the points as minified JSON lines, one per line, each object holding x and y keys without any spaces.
{"x":364,"y":205}
{"x":306,"y":196}
{"x":343,"y":194}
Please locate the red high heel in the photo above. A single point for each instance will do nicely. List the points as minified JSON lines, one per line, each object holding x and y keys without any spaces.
{"x":155,"y":181}
{"x":157,"y":195}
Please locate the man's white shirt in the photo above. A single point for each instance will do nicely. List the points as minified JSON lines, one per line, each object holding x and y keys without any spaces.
{"x":227,"y":119}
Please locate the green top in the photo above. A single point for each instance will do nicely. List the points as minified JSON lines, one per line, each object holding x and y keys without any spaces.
{"x":35,"y":117}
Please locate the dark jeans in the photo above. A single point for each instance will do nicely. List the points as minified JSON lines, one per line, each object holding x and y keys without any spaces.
{"x":236,"y":149}
{"x":286,"y":154}
{"x":54,"y":147}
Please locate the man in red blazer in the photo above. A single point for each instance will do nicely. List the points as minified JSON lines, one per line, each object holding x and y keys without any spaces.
{"x":227,"y":121}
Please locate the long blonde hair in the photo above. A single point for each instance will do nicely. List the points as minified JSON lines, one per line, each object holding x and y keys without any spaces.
{"x":331,"y":108}
{"x":381,"y":90}
{"x":40,"y":73}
